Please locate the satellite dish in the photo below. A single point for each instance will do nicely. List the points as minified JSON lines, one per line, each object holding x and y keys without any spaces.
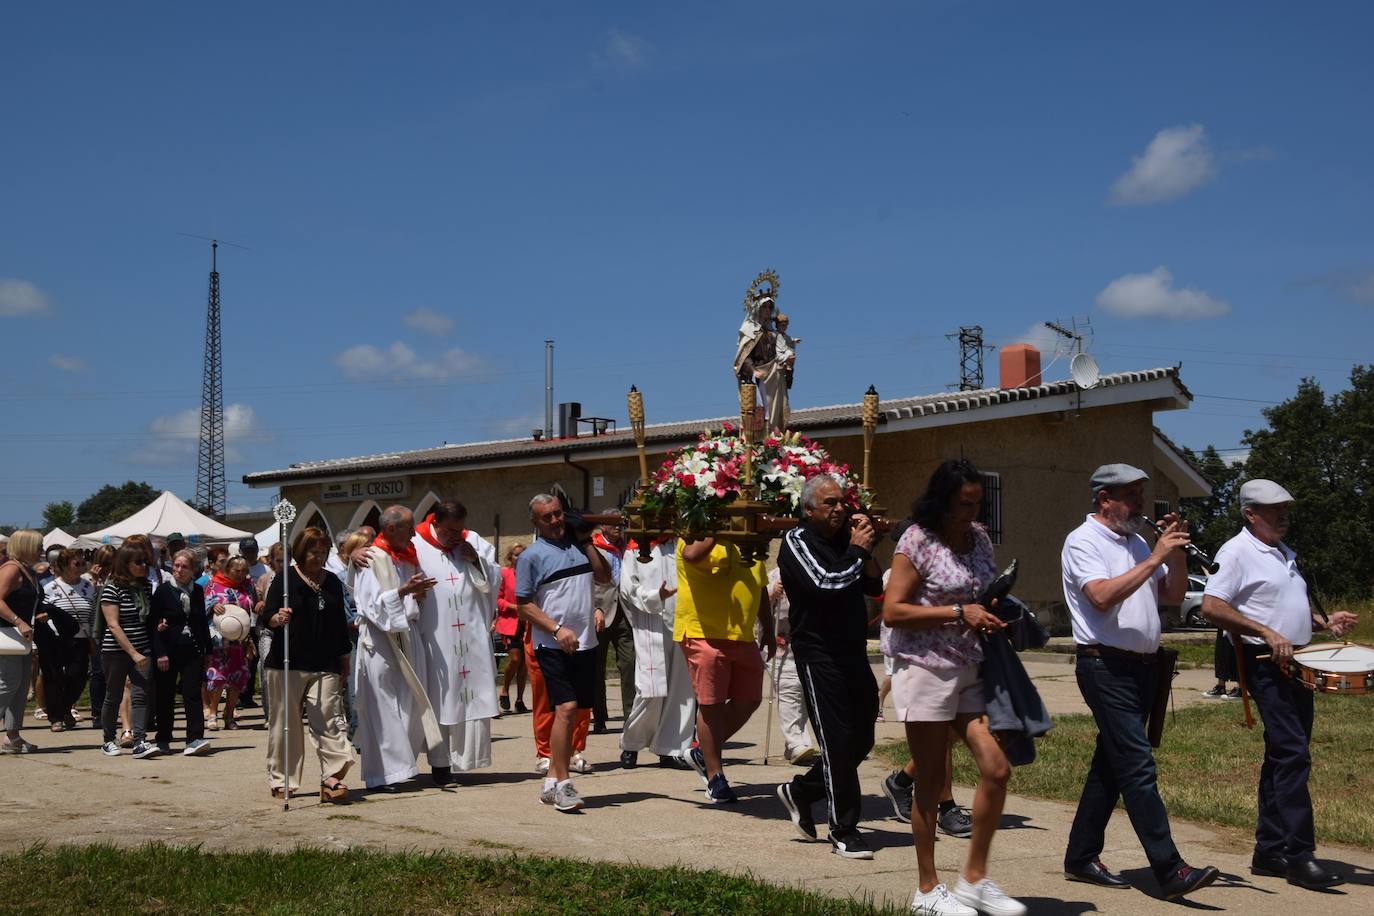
{"x":1084,"y":370}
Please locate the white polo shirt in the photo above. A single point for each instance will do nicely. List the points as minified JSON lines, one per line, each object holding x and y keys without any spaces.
{"x":1264,"y":584}
{"x":1092,"y":551}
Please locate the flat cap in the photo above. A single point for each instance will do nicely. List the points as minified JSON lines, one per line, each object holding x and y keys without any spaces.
{"x":1261,"y":492}
{"x":1115,"y":475}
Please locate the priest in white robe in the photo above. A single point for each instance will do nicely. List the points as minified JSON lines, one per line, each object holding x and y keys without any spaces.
{"x":663,"y":717}
{"x":395,"y":721}
{"x":454,"y":628}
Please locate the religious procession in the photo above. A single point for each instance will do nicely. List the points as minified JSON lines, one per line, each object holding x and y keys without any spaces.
{"x":744,"y":565}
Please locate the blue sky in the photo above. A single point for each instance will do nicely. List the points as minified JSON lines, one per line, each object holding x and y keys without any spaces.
{"x":429,"y":191}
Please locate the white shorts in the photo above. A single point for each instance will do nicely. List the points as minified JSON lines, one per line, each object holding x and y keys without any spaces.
{"x":935,"y":694}
{"x":887,"y":665}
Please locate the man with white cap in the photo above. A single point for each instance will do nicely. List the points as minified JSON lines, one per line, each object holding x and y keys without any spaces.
{"x":1259,"y":593}
{"x":1113,"y":583}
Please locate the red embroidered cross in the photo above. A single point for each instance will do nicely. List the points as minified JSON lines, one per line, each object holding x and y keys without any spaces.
{"x":452,"y":578}
{"x":463,"y":672}
{"x":460,"y":624}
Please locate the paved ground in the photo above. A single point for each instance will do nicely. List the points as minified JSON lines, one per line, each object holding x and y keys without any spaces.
{"x":70,"y":793}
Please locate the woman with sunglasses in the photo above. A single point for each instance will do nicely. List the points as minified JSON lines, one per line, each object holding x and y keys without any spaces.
{"x":125,"y":607}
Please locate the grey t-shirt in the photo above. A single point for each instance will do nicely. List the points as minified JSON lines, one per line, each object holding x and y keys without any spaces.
{"x":557,"y":576}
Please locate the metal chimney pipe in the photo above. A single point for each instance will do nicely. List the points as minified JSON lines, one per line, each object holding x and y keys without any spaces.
{"x":548,"y":388}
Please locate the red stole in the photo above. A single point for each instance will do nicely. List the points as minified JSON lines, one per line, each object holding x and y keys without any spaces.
{"x":426,"y":530}
{"x":405,"y":554}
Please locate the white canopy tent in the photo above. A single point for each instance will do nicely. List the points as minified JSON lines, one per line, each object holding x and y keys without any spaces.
{"x":165,"y":515}
{"x":267,"y":537}
{"x":57,"y":538}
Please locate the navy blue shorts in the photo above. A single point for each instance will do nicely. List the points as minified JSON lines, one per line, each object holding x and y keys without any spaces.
{"x":567,"y":676}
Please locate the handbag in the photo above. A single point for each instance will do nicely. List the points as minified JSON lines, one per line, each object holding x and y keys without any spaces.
{"x":11,"y":643}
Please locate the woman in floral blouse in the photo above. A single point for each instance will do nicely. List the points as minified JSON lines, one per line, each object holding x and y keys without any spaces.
{"x":943,"y":562}
{"x":228,"y":671}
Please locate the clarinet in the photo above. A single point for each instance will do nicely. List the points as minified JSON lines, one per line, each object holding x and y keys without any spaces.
{"x":1194,"y":551}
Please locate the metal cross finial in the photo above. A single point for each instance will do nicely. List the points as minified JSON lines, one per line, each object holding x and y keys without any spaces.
{"x":284,"y":512}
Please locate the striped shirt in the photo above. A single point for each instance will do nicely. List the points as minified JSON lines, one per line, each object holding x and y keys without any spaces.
{"x":134,"y":627}
{"x":76,"y":600}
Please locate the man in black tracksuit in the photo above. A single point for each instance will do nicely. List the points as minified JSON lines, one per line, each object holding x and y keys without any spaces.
{"x":827,"y":568}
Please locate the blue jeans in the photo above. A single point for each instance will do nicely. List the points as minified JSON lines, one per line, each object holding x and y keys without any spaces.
{"x":1119,"y":693}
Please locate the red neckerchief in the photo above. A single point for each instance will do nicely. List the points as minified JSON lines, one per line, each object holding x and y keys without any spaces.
{"x":403,"y":555}
{"x":224,"y":581}
{"x":606,"y":545}
{"x":426,"y":530}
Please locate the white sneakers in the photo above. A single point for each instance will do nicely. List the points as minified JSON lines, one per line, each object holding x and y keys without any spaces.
{"x":967,"y":900}
{"x":986,"y":897}
{"x":938,"y":902}
{"x":566,"y":799}
{"x":562,"y":795}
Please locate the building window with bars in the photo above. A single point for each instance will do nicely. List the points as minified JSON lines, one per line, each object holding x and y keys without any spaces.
{"x":990,"y":515}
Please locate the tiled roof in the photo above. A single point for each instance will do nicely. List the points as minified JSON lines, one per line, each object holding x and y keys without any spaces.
{"x":808,"y":419}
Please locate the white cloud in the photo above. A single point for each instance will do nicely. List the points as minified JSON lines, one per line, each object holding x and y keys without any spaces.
{"x":429,"y":321}
{"x":398,"y":362}
{"x":1177,"y":160}
{"x":67,"y":363}
{"x":1153,"y":295}
{"x":625,"y":50}
{"x":175,"y":438}
{"x":20,"y":297}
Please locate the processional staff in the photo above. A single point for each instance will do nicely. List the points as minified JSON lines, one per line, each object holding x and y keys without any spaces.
{"x":285,"y":513}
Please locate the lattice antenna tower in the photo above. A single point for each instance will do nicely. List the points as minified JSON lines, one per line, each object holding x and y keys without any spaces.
{"x":970,"y":357}
{"x":210,"y":456}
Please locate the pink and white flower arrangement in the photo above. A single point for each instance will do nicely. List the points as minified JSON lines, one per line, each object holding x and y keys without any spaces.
{"x":694,"y":483}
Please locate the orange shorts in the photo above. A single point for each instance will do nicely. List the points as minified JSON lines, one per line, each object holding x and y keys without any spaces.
{"x":723,"y":669}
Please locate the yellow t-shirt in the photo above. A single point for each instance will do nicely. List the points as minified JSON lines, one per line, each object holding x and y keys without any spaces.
{"x":718,"y":597}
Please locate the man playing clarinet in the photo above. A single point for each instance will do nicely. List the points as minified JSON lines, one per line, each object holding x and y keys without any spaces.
{"x":1259,"y":593}
{"x":1113,"y":583}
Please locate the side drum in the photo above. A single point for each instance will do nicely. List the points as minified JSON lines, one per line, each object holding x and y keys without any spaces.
{"x":1335,"y":667}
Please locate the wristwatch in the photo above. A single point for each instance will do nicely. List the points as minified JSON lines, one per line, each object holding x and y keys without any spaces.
{"x":959,"y":615}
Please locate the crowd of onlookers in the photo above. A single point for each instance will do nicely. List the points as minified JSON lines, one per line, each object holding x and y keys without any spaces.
{"x":137,"y":626}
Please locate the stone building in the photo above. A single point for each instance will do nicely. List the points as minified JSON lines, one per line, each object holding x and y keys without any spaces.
{"x":1037,"y":443}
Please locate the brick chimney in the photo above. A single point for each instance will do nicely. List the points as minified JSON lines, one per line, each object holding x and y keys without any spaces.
{"x":1019,"y":366}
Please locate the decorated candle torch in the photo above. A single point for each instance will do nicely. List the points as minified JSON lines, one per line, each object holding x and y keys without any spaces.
{"x":870,"y":419}
{"x":636,"y":404}
{"x":748,"y":392}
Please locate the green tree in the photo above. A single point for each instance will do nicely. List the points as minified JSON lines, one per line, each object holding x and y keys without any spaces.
{"x":1214,"y":519}
{"x":110,"y":504}
{"x":1312,"y":449}
{"x":58,"y":515}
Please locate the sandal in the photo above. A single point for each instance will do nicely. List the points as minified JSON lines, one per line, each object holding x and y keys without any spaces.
{"x":212,"y":724}
{"x":59,"y":727}
{"x":336,"y":794}
{"x":40,"y":713}
{"x":231,"y":724}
